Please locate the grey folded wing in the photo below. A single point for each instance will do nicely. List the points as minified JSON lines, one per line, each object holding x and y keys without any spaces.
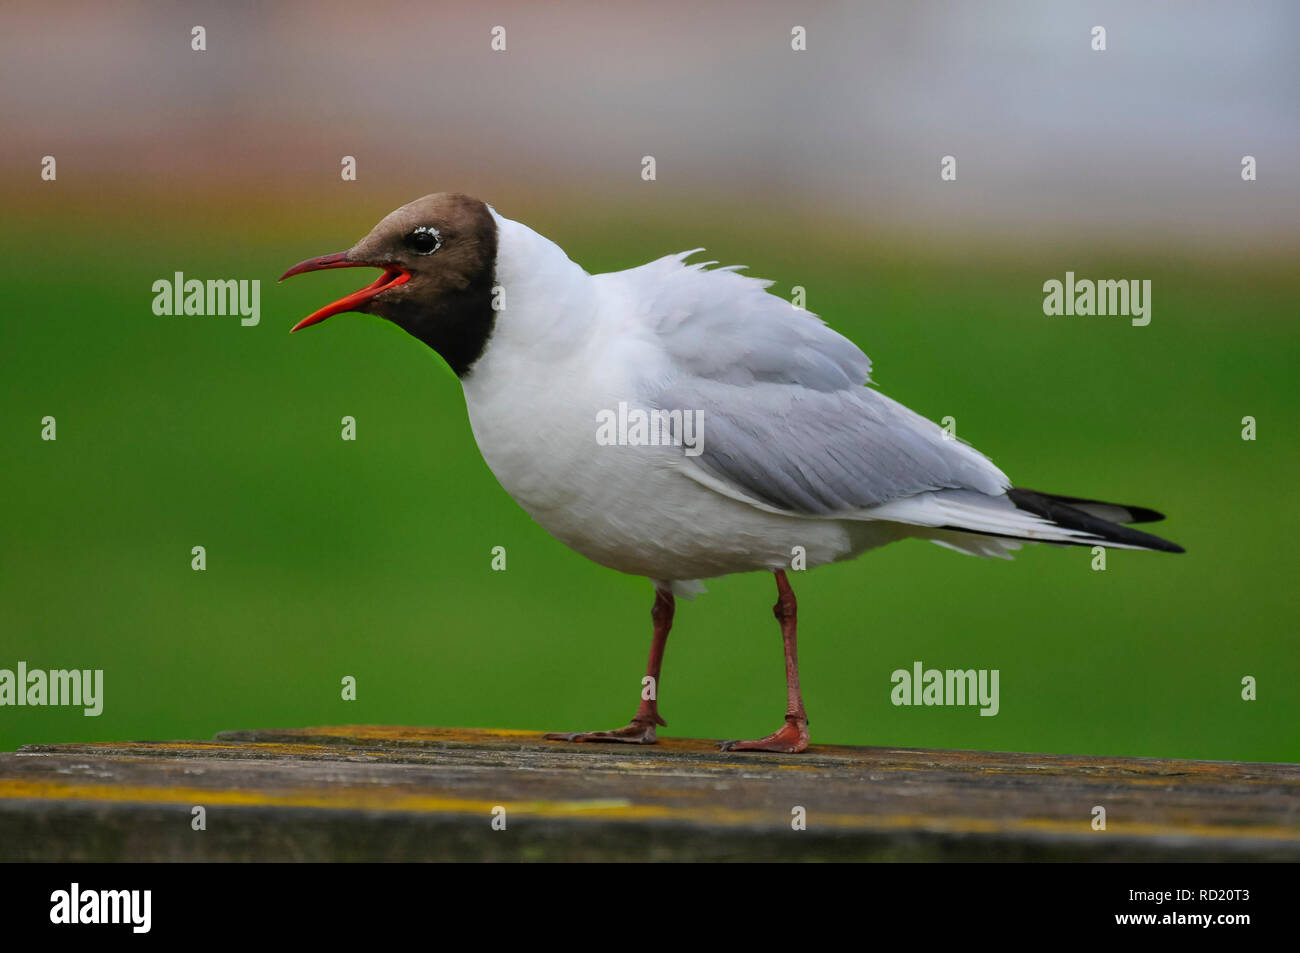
{"x":824,"y":453}
{"x":788,"y":420}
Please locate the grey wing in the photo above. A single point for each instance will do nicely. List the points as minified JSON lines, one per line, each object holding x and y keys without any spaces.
{"x":789,"y":425}
{"x":788,"y":420}
{"x":824,"y":452}
{"x":718,"y":325}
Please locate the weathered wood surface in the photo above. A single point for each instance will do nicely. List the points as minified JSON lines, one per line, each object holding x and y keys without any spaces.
{"x":383,"y":793}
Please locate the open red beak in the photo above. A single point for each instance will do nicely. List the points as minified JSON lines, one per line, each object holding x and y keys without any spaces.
{"x":393,"y":276}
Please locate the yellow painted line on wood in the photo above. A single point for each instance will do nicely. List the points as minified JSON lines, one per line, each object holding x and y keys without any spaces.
{"x":606,"y":808}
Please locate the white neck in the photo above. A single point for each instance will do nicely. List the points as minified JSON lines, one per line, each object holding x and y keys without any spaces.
{"x":548,"y":300}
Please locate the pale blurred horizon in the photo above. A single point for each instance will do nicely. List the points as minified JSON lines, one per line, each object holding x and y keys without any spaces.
{"x":1141,"y":143}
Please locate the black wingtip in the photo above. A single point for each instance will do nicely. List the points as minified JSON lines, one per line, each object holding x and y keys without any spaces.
{"x":1136,"y":514}
{"x":1064,"y":511}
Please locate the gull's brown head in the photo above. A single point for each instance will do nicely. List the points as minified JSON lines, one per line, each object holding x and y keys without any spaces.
{"x":438,"y":261}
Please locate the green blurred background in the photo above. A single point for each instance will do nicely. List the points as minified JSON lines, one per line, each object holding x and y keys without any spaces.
{"x":372,"y":558}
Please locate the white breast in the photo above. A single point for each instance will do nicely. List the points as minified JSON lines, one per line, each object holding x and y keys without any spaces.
{"x":564,"y":349}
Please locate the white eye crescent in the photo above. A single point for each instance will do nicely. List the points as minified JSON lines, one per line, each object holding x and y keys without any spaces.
{"x":425,"y":240}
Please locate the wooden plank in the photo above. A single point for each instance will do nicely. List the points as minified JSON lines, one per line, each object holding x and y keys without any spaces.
{"x":385,"y":793}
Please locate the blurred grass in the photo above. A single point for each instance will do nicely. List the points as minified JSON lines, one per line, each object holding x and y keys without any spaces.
{"x":372,"y":559}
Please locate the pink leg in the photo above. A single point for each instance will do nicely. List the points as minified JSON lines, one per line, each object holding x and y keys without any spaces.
{"x":641,"y":729}
{"x":793,"y":736}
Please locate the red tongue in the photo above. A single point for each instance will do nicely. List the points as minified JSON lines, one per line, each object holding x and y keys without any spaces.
{"x":391,"y":278}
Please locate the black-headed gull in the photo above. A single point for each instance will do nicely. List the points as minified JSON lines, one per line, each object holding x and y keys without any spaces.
{"x":679,"y":422}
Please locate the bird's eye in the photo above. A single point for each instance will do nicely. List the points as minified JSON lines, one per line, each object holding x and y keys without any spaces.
{"x":425,"y":240}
